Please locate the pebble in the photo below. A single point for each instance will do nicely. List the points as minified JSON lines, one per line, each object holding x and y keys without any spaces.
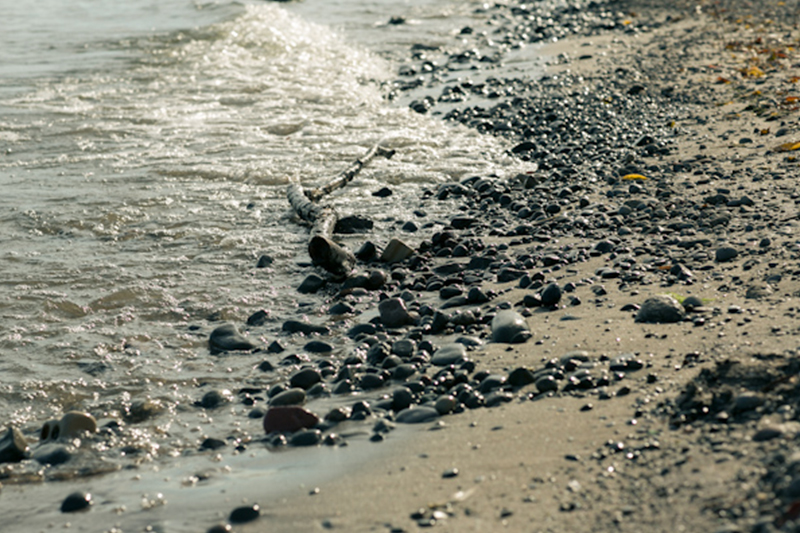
{"x":244,"y":514}
{"x":306,"y":437}
{"x":52,"y":454}
{"x":725,"y":253}
{"x":311,"y":285}
{"x":551,"y":295}
{"x":226,"y":338}
{"x":449,"y":354}
{"x":77,"y":501}
{"x":288,"y":419}
{"x":661,"y":309}
{"x":305,"y":379}
{"x":394,"y":313}
{"x":510,"y":327}
{"x":13,"y":446}
{"x":293,"y":396}
{"x":445,"y":404}
{"x":295,"y":326}
{"x":417,"y":415}
{"x":214,"y":398}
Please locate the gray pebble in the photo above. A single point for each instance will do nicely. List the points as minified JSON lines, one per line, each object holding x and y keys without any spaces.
{"x":417,"y":415}
{"x":449,"y":354}
{"x":661,"y":309}
{"x":725,"y":253}
{"x":227,"y":338}
{"x":508,"y":326}
{"x":293,"y":396}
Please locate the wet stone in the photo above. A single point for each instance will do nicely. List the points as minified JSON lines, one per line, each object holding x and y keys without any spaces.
{"x":295,"y":326}
{"x":417,"y":415}
{"x":546,"y":384}
{"x":214,"y":398}
{"x":306,"y":437}
{"x":244,"y":514}
{"x":212,"y":444}
{"x":293,"y":396}
{"x":77,"y":501}
{"x":226,"y":338}
{"x":318,"y":347}
{"x":519,"y":377}
{"x":445,"y":404}
{"x":404,"y":348}
{"x":508,"y":326}
{"x":305,"y":378}
{"x":288,"y":419}
{"x":52,"y":454}
{"x":259,"y":318}
{"x":371,"y":381}
{"x":394,"y":313}
{"x":551,"y":295}
{"x":449,"y":354}
{"x":661,"y":309}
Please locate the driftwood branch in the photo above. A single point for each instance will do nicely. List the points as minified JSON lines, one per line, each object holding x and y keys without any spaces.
{"x":323,"y":251}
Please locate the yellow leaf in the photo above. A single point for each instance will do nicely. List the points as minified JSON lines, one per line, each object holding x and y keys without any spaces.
{"x":753,"y":72}
{"x":629,"y":177}
{"x":788,"y":147}
{"x":765,"y":131}
{"x":626,"y":22}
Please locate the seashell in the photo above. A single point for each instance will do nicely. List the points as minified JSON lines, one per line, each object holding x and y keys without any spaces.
{"x":72,"y":424}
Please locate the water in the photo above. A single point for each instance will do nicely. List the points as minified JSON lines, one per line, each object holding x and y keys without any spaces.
{"x":145,"y":148}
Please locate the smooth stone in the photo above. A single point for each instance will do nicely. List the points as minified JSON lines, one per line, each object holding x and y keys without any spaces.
{"x":691,"y":303}
{"x":497,"y":397}
{"x":491,"y":383}
{"x":766,"y":434}
{"x":52,"y":454}
{"x":371,"y":381}
{"x":242,"y":515}
{"x":288,"y":419}
{"x":214,"y":398}
{"x":449,"y":354}
{"x":725,"y":253}
{"x":295,"y":326}
{"x":293,"y":396}
{"x":306,"y":437}
{"x":341,"y":308}
{"x":13,"y":446}
{"x":546,"y":384}
{"x":404,"y":347}
{"x":226,"y":338}
{"x":508,"y":326}
{"x":402,"y":398}
{"x":264,"y":261}
{"x":394,"y":313}
{"x":396,"y":251}
{"x":757,"y":292}
{"x":77,"y":501}
{"x":445,"y":404}
{"x":212,"y":444}
{"x":305,"y":378}
{"x":353,"y":224}
{"x":220,"y":528}
{"x":519,"y":377}
{"x":311,"y":284}
{"x":661,"y":309}
{"x":551,"y":295}
{"x":259,"y":318}
{"x":417,"y":415}
{"x":318,"y":347}
{"x":366,"y":252}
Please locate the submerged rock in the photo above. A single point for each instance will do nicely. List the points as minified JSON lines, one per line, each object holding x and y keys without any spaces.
{"x":226,"y":338}
{"x":508,"y":326}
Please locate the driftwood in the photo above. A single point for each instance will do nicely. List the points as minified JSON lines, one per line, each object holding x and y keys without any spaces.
{"x":323,"y":251}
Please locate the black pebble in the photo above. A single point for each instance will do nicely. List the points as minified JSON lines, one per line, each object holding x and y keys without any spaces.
{"x":77,"y":501}
{"x":242,"y":515}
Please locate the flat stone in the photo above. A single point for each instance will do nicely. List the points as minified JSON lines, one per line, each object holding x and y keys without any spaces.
{"x":288,"y":419}
{"x":226,"y":338}
{"x":661,"y":309}
{"x":293,"y":396}
{"x":508,"y":326}
{"x":295,"y":326}
{"x":417,"y":415}
{"x":449,"y":354}
{"x":396,"y":251}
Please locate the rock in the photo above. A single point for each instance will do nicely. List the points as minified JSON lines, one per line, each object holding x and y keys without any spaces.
{"x":394,"y":313}
{"x":318,"y":347}
{"x":367,"y":252}
{"x":551,"y":295}
{"x":508,"y":326}
{"x":661,"y":309}
{"x":73,"y":424}
{"x":758,"y":292}
{"x":227,"y":338}
{"x":288,"y":419}
{"x":449,"y":354}
{"x":293,"y":396}
{"x":259,"y":318}
{"x":214,"y":398}
{"x":519,"y":377}
{"x":264,"y":261}
{"x":77,"y":501}
{"x":691,"y":303}
{"x":417,"y":415}
{"x":396,"y":251}
{"x":13,"y":446}
{"x":295,"y":326}
{"x":725,"y":253}
{"x":242,"y":515}
{"x":445,"y":404}
{"x":306,"y":437}
{"x":305,"y":378}
{"x":353,"y":224}
{"x":767,"y":433}
{"x":52,"y":454}
{"x":311,"y":284}
{"x":546,"y":384}
{"x":383,"y":192}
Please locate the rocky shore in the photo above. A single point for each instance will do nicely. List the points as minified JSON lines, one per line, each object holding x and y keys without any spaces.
{"x":605,"y":342}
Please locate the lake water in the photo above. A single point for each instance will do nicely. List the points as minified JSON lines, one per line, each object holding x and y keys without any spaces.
{"x":145,"y":149}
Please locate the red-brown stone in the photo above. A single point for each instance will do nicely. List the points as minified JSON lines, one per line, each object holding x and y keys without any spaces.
{"x":288,"y":418}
